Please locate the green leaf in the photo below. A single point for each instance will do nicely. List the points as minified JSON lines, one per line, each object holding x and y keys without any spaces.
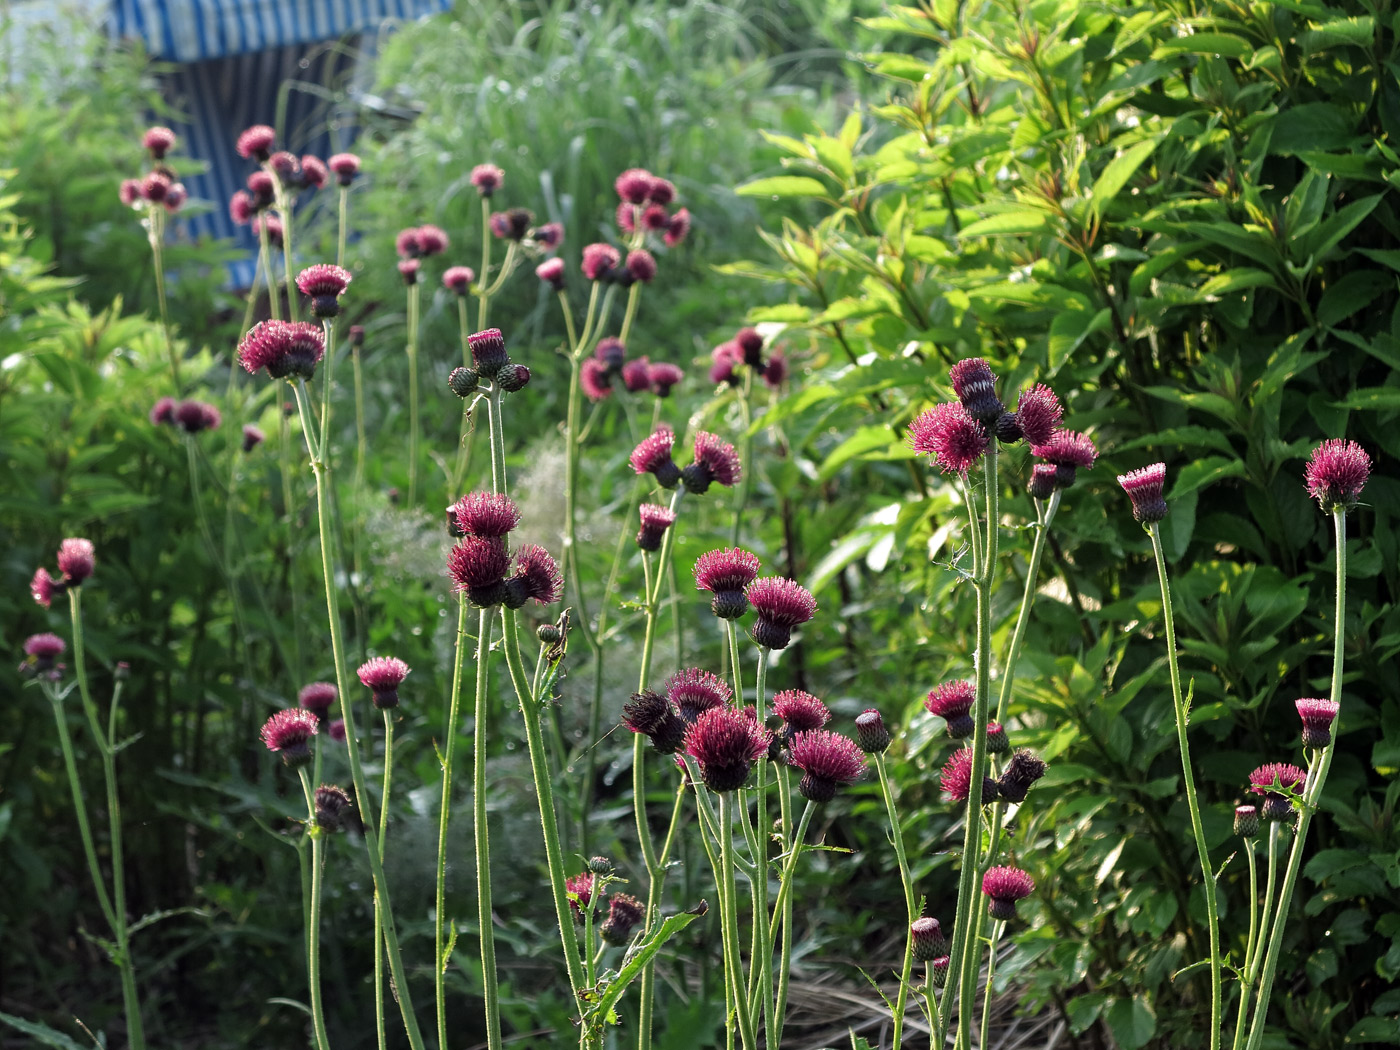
{"x":1318,"y":245}
{"x":1329,"y":862}
{"x":1355,"y":32}
{"x":1132,"y":1021}
{"x":637,"y":958}
{"x":42,"y":1032}
{"x":1116,"y":174}
{"x":1374,"y":1030}
{"x":861,"y":444}
{"x":1222,"y":44}
{"x":1311,"y":127}
{"x":1202,"y":472}
{"x":1068,"y":331}
{"x":1022,"y":221}
{"x":836,"y":157}
{"x":784,"y":186}
{"x":1375,"y":398}
{"x":1235,"y":280}
{"x":1351,"y":292}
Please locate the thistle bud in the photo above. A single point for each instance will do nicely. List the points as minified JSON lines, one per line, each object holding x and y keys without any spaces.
{"x":871,"y":735}
{"x":549,"y":634}
{"x":463,"y":381}
{"x":1246,"y":821}
{"x":929,"y":942}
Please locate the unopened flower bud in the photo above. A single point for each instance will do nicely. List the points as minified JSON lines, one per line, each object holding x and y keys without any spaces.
{"x":600,"y":865}
{"x":513,"y":377}
{"x":549,"y":634}
{"x":871,"y":734}
{"x":997,"y":741}
{"x":929,"y":942}
{"x":463,"y":381}
{"x":1246,"y":821}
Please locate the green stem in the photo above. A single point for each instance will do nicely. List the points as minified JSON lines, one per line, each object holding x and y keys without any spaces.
{"x":785,"y":958}
{"x":630,"y":314}
{"x":762,"y":927}
{"x":328,"y":377}
{"x":362,"y":796}
{"x":1192,"y":802}
{"x":997,"y":929}
{"x":313,"y":953}
{"x":1312,"y":793}
{"x":1045,"y":514}
{"x":445,"y":803}
{"x":361,"y":455}
{"x":412,"y":395}
{"x":274,"y":297}
{"x":284,"y":435}
{"x":484,"y":297}
{"x":483,"y":848}
{"x":741,"y":497}
{"x":730,"y":921}
{"x":379,"y":1026}
{"x":1251,"y":944}
{"x":343,"y":227}
{"x":284,"y":206}
{"x":910,"y":907}
{"x":156,"y":214}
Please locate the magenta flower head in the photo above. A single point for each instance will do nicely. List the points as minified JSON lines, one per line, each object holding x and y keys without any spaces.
{"x":654,"y":217}
{"x":1038,"y":414}
{"x":289,"y":732}
{"x":1069,"y":450}
{"x":781,"y":605}
{"x":693,"y":691}
{"x":408,"y":270}
{"x":488,"y":351}
{"x":663,"y":376}
{"x":599,"y":260}
{"x":612,"y":352}
{"x":337,"y":730}
{"x":432,"y":240}
{"x":43,"y":587}
{"x":155,"y":186}
{"x":1144,"y":488}
{"x":43,"y":650}
{"x":624,"y":913}
{"x":975,"y":386}
{"x":725,"y":744}
{"x":491,"y":515}
{"x":799,"y":711}
{"x":76,"y":560}
{"x":314,"y":173}
{"x":163,"y":411}
{"x":828,"y":761}
{"x":677,"y":228}
{"x":595,"y":379}
{"x":661,"y":191}
{"x":325,"y":283}
{"x":871,"y":734}
{"x":287,"y":349}
{"x":458,"y":279}
{"x":262,"y":190}
{"x":1277,"y":782}
{"x":159,"y":141}
{"x":775,"y":372}
{"x":580,"y":891}
{"x":1042,"y":484}
{"x":715,"y":461}
{"x":998,"y":743}
{"x":551,"y":271}
{"x":287,"y":167}
{"x":725,"y":573}
{"x":641,"y":265}
{"x":383,"y":675}
{"x":1336,"y":474}
{"x":929,"y":942}
{"x":195,"y":416}
{"x":952,"y":702}
{"x":487,"y":178}
{"x":550,"y":235}
{"x":406,"y":243}
{"x":256,"y":142}
{"x":511,"y":225}
{"x":724,"y":363}
{"x":317,"y":698}
{"x":956,"y":778}
{"x":536,"y":577}
{"x":636,"y":375}
{"x":332,"y":807}
{"x":252,"y":437}
{"x":750,"y":344}
{"x":1022,"y":770}
{"x":130,"y":193}
{"x":1317,"y":716}
{"x":627,"y":217}
{"x":1246,"y":821}
{"x":478,"y":568}
{"x":175,"y":197}
{"x":652,"y":715}
{"x":1005,"y":886}
{"x":951,"y":436}
{"x":653,"y":455}
{"x":656,"y":519}
{"x":634,"y":185}
{"x":345,"y":166}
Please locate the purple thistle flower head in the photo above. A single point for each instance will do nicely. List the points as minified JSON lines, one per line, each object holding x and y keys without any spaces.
{"x":1337,"y":473}
{"x":512,"y":225}
{"x":724,"y":363}
{"x":262,"y":190}
{"x":800,"y":711}
{"x":654,"y":217}
{"x":256,"y":142}
{"x":130,"y":192}
{"x":271,"y":225}
{"x":952,"y":702}
{"x":595,"y":379}
{"x":345,"y":166}
{"x":663,"y":376}
{"x":1277,"y":782}
{"x":1042,"y":484}
{"x":383,"y":675}
{"x":314,"y":173}
{"x":998,"y":743}
{"x":655,"y":519}
{"x":289,"y":732}
{"x":43,"y":587}
{"x":488,"y":351}
{"x":175,"y":197}
{"x":159,"y":141}
{"x":661,"y":191}
{"x":1246,"y":821}
{"x":325,"y":283}
{"x":332,"y":807}
{"x":725,"y":744}
{"x":750,"y":345}
{"x":725,"y":573}
{"x":317,"y":698}
{"x":458,"y":279}
{"x":693,"y":691}
{"x":653,"y":456}
{"x":195,"y":416}
{"x":155,"y":186}
{"x":1144,"y":489}
{"x":478,"y":566}
{"x":956,"y":778}
{"x":43,"y":650}
{"x":1005,"y":886}
{"x":975,"y":386}
{"x":491,"y":515}
{"x":626,"y":215}
{"x":551,"y":271}
{"x":163,"y":411}
{"x":715,"y":461}
{"x":775,"y":372}
{"x":550,"y":235}
{"x":599,"y":260}
{"x":781,"y":605}
{"x":1038,"y":414}
{"x":580,"y":890}
{"x":612,"y":352}
{"x":636,"y":375}
{"x":871,"y":733}
{"x":677,"y":228}
{"x":641,"y":264}
{"x":929,"y":942}
{"x":536,"y":577}
{"x":624,"y":913}
{"x":652,"y":715}
{"x":76,"y":560}
{"x":487,"y":178}
{"x":1068,"y":450}
{"x":432,"y":240}
{"x":951,"y":436}
{"x":634,"y":185}
{"x":337,"y":730}
{"x":287,"y":349}
{"x":252,"y":437}
{"x":1023,"y":770}
{"x":408,"y":270}
{"x":1317,"y":715}
{"x":287,"y":167}
{"x":406,"y":243}
{"x":938,"y":970}
{"x":828,"y":760}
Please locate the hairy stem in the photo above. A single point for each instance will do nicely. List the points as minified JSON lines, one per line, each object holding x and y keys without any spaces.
{"x":313,"y":951}
{"x":910,"y":907}
{"x":445,"y":802}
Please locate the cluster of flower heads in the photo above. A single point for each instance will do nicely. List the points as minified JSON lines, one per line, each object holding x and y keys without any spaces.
{"x":77,"y":559}
{"x":746,"y":350}
{"x":731,"y":575}
{"x":491,"y":364}
{"x":480,"y":563}
{"x":643,"y":200}
{"x":288,"y":350}
{"x":193,"y":417}
{"x":284,"y":171}
{"x":289,"y":732}
{"x":585,"y":892}
{"x":1281,"y":783}
{"x":609,"y":363}
{"x":715,"y":461}
{"x":160,"y":186}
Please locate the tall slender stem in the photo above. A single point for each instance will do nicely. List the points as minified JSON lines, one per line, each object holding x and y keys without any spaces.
{"x":484,"y":302}
{"x":381,"y":1034}
{"x":733,"y":965}
{"x":274,"y":297}
{"x":361,"y":455}
{"x":762,"y":927}
{"x":445,"y":803}
{"x":741,"y":497}
{"x":997,"y":929}
{"x":483,"y":845}
{"x":156,"y":223}
{"x":784,"y":905}
{"x":1045,"y":514}
{"x":1183,"y":718}
{"x":313,"y":951}
{"x":910,"y":907}
{"x":1251,"y":944}
{"x":412,"y":395}
{"x":344,"y":225}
